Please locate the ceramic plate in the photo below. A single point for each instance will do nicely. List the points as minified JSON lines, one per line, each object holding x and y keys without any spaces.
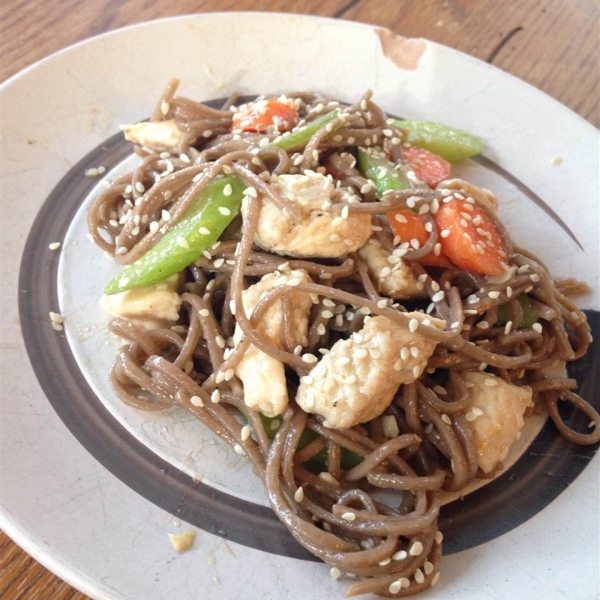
{"x":90,"y":487}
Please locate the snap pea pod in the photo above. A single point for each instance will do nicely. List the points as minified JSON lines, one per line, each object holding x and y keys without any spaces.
{"x":449,"y":143}
{"x":199,"y":228}
{"x":382,"y":172}
{"x":318,"y":462}
{"x":530,"y":312}
{"x":302,"y":136}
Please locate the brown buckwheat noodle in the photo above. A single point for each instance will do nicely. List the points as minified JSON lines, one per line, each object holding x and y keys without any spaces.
{"x":336,"y":515}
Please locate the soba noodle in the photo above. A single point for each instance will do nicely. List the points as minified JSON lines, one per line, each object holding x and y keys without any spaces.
{"x":393,"y":551}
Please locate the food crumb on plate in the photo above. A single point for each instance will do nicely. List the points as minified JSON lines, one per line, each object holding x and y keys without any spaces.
{"x":183,"y":541}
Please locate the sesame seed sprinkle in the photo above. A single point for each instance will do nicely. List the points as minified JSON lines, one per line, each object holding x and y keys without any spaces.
{"x":446,"y":419}
{"x":197,"y":401}
{"x":309,"y":358}
{"x":215,"y":397}
{"x":245,"y":433}
{"x":181,"y":241}
{"x":349,"y":516}
{"x":537,"y":327}
{"x":334,"y":572}
{"x":395,"y":587}
{"x":419,"y":577}
{"x":413,"y":325}
{"x":54,"y":245}
{"x":239,"y":450}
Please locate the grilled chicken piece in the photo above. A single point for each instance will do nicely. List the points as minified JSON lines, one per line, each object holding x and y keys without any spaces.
{"x":263,"y":376}
{"x":389,"y":273}
{"x":467,"y":189}
{"x":495,"y":415}
{"x":357,"y":380}
{"x":159,"y":136}
{"x":320,"y":232}
{"x":150,"y":306}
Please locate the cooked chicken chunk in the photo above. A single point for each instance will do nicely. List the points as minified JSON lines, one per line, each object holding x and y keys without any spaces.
{"x":263,"y":376}
{"x":482,"y":195}
{"x":159,"y":136}
{"x":150,"y":306}
{"x":357,"y":380}
{"x":320,"y":232}
{"x":390,"y":274}
{"x":495,"y":415}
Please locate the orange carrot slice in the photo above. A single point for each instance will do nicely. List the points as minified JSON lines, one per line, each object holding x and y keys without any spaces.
{"x":409,"y":225}
{"x":428,"y":167}
{"x":259,"y":116}
{"x":470,"y":239}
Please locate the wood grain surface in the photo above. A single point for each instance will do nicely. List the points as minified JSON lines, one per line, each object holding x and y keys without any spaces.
{"x":552,"y":44}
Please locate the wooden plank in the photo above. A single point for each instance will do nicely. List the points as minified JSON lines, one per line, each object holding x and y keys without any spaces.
{"x":551,"y":44}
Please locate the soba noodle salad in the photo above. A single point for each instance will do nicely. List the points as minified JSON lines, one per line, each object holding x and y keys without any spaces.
{"x":309,"y":280}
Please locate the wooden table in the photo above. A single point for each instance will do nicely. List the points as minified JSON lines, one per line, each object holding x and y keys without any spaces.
{"x":552,"y":44}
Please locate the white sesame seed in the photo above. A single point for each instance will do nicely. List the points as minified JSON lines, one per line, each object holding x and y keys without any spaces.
{"x":345,"y":212}
{"x":245,"y":433}
{"x":395,"y":587}
{"x":349,"y":516}
{"x":181,"y":241}
{"x":477,"y":411}
{"x":239,"y":450}
{"x":483,"y":325}
{"x":446,"y":419}
{"x":229,"y":374}
{"x":299,"y":495}
{"x":139,"y":186}
{"x":204,"y":312}
{"x":215,"y":397}
{"x":534,"y":277}
{"x":334,"y":572}
{"x":382,"y":303}
{"x":435,"y":579}
{"x":404,"y":353}
{"x":445,"y":233}
{"x":508,"y":327}
{"x":491,"y":382}
{"x":251,"y":191}
{"x":438,"y":296}
{"x":309,"y":358}
{"x":54,"y":245}
{"x":494,"y":294}
{"x":419,"y":577}
{"x":537,"y":327}
{"x":413,"y":325}
{"x":204,"y":231}
{"x":197,"y":401}
{"x":400,"y":555}
{"x":470,"y":416}
{"x":414,"y":352}
{"x":327,"y":314}
{"x":224,"y":211}
{"x":439,"y":536}
{"x":416,"y":371}
{"x":334,"y":237}
{"x":385,"y":272}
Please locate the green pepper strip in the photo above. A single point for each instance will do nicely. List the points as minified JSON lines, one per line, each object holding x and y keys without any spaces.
{"x":318,"y":462}
{"x":382,"y":172}
{"x":447,"y":142}
{"x":302,"y":136}
{"x":211,"y":211}
{"x":530,"y":312}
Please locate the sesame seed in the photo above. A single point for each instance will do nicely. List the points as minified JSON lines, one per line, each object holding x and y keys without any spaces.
{"x":494,"y":294}
{"x":435,"y":579}
{"x":416,"y":371}
{"x":204,"y":231}
{"x":509,"y":291}
{"x":224,"y":211}
{"x":446,"y":419}
{"x":232,"y":306}
{"x":251,"y":191}
{"x":439,"y":536}
{"x":166,"y":215}
{"x":327,"y":314}
{"x":428,"y":567}
{"x":245,"y":433}
{"x":382,"y":303}
{"x":385,"y":562}
{"x":139,"y":186}
{"x":404,"y":353}
{"x":54,"y":245}
{"x":204,"y":312}
{"x":419,"y":577}
{"x":400,"y":555}
{"x":477,"y":411}
{"x":334,"y":237}
{"x":385,"y":272}
{"x":537,"y":327}
{"x":309,"y":358}
{"x":215,"y":397}
{"x":438,"y":296}
{"x":470,"y":416}
{"x":395,"y":587}
{"x":483,"y":325}
{"x":413,"y":325}
{"x":349,"y":516}
{"x":345,"y":212}
{"x":414,"y":352}
{"x":197,"y":401}
{"x":334,"y":572}
{"x":181,"y":241}
{"x":508,"y":327}
{"x":239,"y":450}
{"x":490,"y":382}
{"x":229,"y":374}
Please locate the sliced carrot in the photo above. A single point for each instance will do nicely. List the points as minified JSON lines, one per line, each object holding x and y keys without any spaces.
{"x":428,"y":167}
{"x":409,"y":225}
{"x":470,"y":239}
{"x":259,"y":116}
